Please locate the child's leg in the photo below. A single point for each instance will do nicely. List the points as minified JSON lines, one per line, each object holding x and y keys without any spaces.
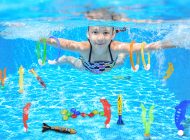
{"x":76,"y":62}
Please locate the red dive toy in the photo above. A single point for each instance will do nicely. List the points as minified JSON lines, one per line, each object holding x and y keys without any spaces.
{"x":25,"y":115}
{"x":107,"y":111}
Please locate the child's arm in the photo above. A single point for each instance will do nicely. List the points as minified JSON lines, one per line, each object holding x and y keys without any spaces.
{"x":154,"y":46}
{"x":68,"y":44}
{"x":122,"y":47}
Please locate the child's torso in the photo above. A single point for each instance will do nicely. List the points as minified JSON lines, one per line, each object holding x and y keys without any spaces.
{"x":98,"y":63}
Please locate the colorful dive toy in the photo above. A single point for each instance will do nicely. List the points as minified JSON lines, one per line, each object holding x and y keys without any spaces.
{"x":38,"y":78}
{"x":180,"y":116}
{"x":25,"y":115}
{"x":21,"y":81}
{"x":169,"y":71}
{"x":46,"y":127}
{"x":147,"y":124}
{"x":135,"y":68}
{"x":119,"y":106}
{"x":3,"y":77}
{"x":146,"y":67}
{"x":107,"y":111}
{"x":74,"y":113}
{"x":41,"y":60}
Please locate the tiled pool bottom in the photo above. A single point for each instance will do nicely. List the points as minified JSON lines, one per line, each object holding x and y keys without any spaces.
{"x":69,"y":88}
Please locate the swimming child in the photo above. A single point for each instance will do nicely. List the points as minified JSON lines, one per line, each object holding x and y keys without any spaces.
{"x":100,"y":53}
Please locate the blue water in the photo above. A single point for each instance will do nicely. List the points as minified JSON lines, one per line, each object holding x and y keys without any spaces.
{"x":23,"y":23}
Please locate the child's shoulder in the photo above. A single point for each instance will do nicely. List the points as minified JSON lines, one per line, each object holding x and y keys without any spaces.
{"x":85,"y":45}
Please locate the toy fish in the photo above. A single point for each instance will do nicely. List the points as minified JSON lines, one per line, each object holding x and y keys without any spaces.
{"x":107,"y":111}
{"x":169,"y":71}
{"x":38,"y":78}
{"x":25,"y":115}
{"x":21,"y":81}
{"x":46,"y":127}
{"x":119,"y":106}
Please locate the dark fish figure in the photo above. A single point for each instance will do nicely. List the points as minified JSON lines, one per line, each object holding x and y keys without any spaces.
{"x":46,"y":127}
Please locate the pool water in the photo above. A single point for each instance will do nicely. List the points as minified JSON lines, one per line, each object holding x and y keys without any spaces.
{"x":69,"y":88}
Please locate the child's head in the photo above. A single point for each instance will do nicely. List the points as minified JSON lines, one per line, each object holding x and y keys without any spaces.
{"x":100,"y":36}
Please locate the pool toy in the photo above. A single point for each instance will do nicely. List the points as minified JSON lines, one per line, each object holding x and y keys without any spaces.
{"x":122,"y":77}
{"x":65,"y":117}
{"x":25,"y":115}
{"x":21,"y":81}
{"x":91,"y":114}
{"x":180,"y":116}
{"x":64,"y":112}
{"x":135,"y":68}
{"x":101,"y":113}
{"x":46,"y":127}
{"x":119,"y":107}
{"x":3,"y":77}
{"x":73,"y":110}
{"x":147,"y":124}
{"x":95,"y":112}
{"x":74,"y":116}
{"x":169,"y":71}
{"x":41,"y":61}
{"x":38,"y":78}
{"x":73,"y":113}
{"x":146,"y":66}
{"x":107,"y":111}
{"x":83,"y":114}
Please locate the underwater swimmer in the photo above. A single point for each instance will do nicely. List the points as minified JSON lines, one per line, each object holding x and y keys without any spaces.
{"x":100,"y":53}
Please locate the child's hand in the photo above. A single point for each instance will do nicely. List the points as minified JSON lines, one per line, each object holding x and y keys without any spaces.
{"x":52,"y":62}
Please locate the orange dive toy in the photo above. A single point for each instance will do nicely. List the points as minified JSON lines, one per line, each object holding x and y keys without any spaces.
{"x":135,"y":68}
{"x":3,"y":77}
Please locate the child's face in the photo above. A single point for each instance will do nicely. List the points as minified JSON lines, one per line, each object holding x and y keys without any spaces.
{"x":100,"y":36}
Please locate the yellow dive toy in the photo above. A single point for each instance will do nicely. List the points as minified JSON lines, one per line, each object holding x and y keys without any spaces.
{"x":135,"y":68}
{"x":146,"y":67}
{"x":21,"y":79}
{"x":169,"y":71}
{"x":119,"y":106}
{"x":3,"y":77}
